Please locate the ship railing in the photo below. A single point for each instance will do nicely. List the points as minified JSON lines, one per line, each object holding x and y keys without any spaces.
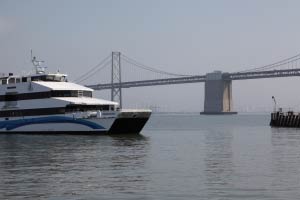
{"x":93,"y":114}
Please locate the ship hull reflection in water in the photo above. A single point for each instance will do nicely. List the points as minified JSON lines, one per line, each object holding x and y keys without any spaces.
{"x":38,"y":166}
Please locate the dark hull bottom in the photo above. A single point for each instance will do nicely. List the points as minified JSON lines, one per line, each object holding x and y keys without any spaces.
{"x":120,"y":126}
{"x":128,"y":125}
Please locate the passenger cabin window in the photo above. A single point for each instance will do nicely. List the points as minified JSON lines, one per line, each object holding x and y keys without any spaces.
{"x":4,"y":82}
{"x":80,"y":93}
{"x":24,"y":79}
{"x":71,"y":93}
{"x":10,"y":100}
{"x":52,"y":78}
{"x":83,"y":108}
{"x":11,"y":97}
{"x":11,"y":81}
{"x":111,"y":108}
{"x":87,"y":94}
{"x":36,"y":78}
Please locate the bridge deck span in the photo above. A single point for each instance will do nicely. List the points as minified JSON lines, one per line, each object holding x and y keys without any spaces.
{"x":264,"y":74}
{"x":169,"y":81}
{"x":200,"y":78}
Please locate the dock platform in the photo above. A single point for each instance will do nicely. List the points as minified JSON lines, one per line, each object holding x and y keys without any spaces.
{"x":285,"y":119}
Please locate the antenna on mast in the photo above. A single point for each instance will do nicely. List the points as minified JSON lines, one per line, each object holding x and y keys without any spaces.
{"x":37,"y":64}
{"x":31,"y":54}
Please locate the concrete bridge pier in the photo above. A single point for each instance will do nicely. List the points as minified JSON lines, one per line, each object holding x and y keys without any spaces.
{"x":218,"y":94}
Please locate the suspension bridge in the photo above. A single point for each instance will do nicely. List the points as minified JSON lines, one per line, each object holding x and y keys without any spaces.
{"x":119,"y":71}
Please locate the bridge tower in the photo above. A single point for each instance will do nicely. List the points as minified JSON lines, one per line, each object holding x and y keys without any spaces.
{"x":218,"y":94}
{"x":116,"y":83}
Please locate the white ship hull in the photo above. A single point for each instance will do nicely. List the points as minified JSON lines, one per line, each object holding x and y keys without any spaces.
{"x":56,"y":124}
{"x":129,"y":121}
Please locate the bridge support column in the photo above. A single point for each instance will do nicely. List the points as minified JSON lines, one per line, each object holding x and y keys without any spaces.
{"x":218,"y":95}
{"x":116,"y":92}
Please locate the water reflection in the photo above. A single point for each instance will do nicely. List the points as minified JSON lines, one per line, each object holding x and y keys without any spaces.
{"x":285,"y":159}
{"x":218,"y":161}
{"x":127,"y":163}
{"x":39,"y":166}
{"x":283,"y":135}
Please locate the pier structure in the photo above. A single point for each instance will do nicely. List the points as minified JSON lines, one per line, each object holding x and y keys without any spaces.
{"x":285,"y":119}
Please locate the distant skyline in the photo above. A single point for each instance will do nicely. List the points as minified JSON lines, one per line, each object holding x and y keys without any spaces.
{"x":186,"y":37}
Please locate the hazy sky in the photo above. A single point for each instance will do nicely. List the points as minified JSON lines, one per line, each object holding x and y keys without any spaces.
{"x":187,"y":37}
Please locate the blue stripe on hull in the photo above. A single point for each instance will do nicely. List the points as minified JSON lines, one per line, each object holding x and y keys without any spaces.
{"x":13,"y":124}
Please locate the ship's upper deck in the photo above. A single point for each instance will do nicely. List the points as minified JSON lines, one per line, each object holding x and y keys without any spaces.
{"x":13,"y":79}
{"x":46,"y":90}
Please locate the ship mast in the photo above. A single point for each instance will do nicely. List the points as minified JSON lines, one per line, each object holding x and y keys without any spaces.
{"x":37,"y":64}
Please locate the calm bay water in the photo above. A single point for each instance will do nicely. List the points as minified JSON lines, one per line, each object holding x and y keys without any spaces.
{"x":182,"y":156}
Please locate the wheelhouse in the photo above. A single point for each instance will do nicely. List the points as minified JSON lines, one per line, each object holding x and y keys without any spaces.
{"x":11,"y":80}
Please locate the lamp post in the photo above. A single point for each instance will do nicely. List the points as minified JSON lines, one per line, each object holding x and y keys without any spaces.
{"x":275,"y":104}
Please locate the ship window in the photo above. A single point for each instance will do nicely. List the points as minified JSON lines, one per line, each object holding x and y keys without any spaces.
{"x":36,"y":78}
{"x":18,"y":80}
{"x":4,"y":81}
{"x":11,"y":97}
{"x":83,"y":108}
{"x":70,"y":93}
{"x":64,"y":93}
{"x":112,"y":108}
{"x":11,"y":81}
{"x":87,"y":94}
{"x":24,"y":79}
{"x":73,"y":93}
{"x":48,"y":111}
{"x":48,"y":94}
{"x":10,"y":100}
{"x":57,"y":78}
{"x":51,"y":78}
{"x":31,"y":112}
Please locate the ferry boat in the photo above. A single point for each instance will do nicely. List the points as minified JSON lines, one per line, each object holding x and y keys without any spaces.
{"x":47,"y":103}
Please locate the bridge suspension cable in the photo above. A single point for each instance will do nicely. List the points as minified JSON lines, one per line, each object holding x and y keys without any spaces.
{"x":101,"y":65}
{"x":145,"y":67}
{"x":274,"y":65}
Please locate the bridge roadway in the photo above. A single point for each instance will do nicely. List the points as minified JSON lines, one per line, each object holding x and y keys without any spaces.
{"x":200,"y":78}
